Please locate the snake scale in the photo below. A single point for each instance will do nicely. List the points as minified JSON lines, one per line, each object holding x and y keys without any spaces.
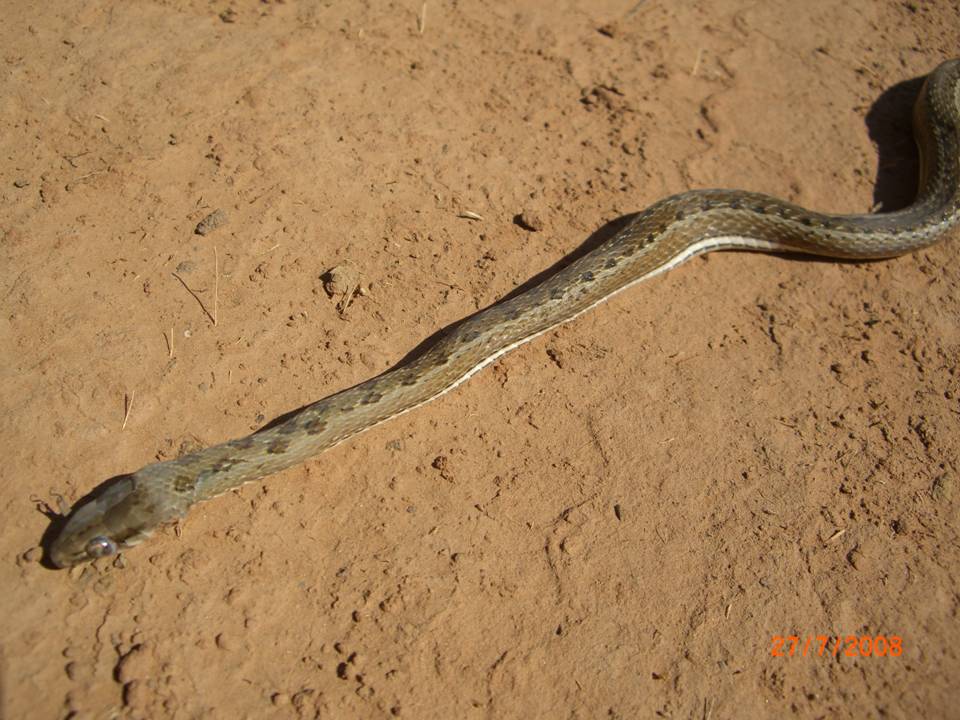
{"x":121,"y":514}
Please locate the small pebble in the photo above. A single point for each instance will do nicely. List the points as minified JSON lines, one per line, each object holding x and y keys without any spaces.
{"x":609,"y":30}
{"x":135,"y":694}
{"x":340,"y":280}
{"x":529,"y":220}
{"x":20,"y":183}
{"x":33,"y":554}
{"x":280,"y":699}
{"x":211,"y":222}
{"x":135,"y":664}
{"x":942,"y":488}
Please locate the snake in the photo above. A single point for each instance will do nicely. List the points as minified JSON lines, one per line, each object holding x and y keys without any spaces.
{"x":125,"y":511}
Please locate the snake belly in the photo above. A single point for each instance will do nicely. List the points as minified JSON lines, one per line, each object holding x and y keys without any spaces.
{"x":122,"y":513}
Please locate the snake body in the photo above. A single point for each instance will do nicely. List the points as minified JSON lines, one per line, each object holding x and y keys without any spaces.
{"x":123,"y":513}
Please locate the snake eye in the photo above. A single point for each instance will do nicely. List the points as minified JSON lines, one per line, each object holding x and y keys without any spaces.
{"x":100,"y":546}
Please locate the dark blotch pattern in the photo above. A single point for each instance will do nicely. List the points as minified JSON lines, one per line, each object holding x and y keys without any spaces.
{"x":315,"y":426}
{"x":556,"y":294}
{"x":371,"y":398}
{"x":184,"y":484}
{"x":611,"y":263}
{"x":243,"y":443}
{"x":587,"y":276}
{"x":278,"y":447}
{"x":225,"y":464}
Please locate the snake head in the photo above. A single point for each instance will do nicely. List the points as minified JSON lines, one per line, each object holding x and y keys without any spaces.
{"x":102,"y":524}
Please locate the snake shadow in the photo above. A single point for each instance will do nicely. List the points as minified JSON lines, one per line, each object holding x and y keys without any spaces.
{"x":889,"y":124}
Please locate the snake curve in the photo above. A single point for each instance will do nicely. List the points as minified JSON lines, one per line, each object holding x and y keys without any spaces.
{"x":122,"y":513}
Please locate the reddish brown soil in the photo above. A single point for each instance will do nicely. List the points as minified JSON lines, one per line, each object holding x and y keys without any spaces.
{"x":611,"y":522}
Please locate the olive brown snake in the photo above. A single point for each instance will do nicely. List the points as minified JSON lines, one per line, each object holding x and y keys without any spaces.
{"x":125,"y":512}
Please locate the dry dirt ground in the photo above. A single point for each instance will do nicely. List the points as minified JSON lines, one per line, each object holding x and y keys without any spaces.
{"x":613,"y":521}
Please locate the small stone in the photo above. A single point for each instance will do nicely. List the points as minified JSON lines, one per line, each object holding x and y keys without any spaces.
{"x":301,"y":699}
{"x":78,"y":671}
{"x":556,"y":356}
{"x":135,"y":664}
{"x":136,"y":694}
{"x":571,"y":545}
{"x":20,"y":183}
{"x":660,"y":72}
{"x":187,"y":266}
{"x":529,"y":220}
{"x":342,"y":282}
{"x":224,"y":642}
{"x":855,"y":556}
{"x":33,"y":554}
{"x":280,"y":699}
{"x":942,"y":488}
{"x":211,"y":222}
{"x":608,"y":30}
{"x":229,"y":15}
